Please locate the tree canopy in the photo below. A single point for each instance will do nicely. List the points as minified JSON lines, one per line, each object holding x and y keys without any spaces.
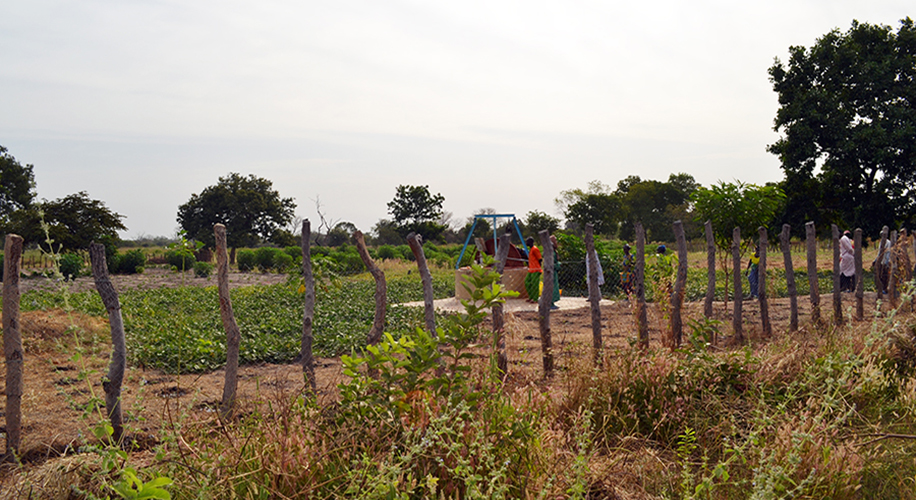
{"x":17,"y":187}
{"x":415,"y":209}
{"x":848,"y":125}
{"x":731,"y":205}
{"x":73,"y":221}
{"x":249,"y":207}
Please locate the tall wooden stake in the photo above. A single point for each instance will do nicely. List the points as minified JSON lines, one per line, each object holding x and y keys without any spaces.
{"x":710,"y":270}
{"x":837,"y":298}
{"x":233,"y":335}
{"x":109,"y":295}
{"x":892,"y":272}
{"x":642,"y":319}
{"x":813,"y":291}
{"x":762,"y":282}
{"x":544,"y":303}
{"x":502,"y":358}
{"x":680,"y":283}
{"x":860,"y":282}
{"x":737,"y":320}
{"x":784,"y":241}
{"x":880,"y":279}
{"x":308,"y":311}
{"x":12,"y":345}
{"x":429,"y":311}
{"x":594,"y":292}
{"x":381,"y":289}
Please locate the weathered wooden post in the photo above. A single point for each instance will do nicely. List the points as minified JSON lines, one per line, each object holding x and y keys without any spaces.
{"x":112,"y":385}
{"x":381,"y":289}
{"x":710,"y":271}
{"x":233,"y":335}
{"x":860,"y":282}
{"x":12,"y":345}
{"x":880,"y":278}
{"x":545,"y":302}
{"x":502,"y":357}
{"x":762,"y":282}
{"x":642,"y":319}
{"x":813,"y":291}
{"x":680,"y":283}
{"x":892,"y":272}
{"x":594,"y":292}
{"x":837,"y":298}
{"x":784,"y":241}
{"x":306,"y":357}
{"x":429,"y":311}
{"x":737,"y":325}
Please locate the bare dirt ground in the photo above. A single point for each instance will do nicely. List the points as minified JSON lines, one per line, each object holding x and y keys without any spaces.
{"x":61,"y":392}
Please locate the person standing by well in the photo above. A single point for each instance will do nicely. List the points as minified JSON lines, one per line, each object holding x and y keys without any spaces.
{"x":533,"y":279}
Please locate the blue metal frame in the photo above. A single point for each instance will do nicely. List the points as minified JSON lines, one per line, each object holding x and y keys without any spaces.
{"x":494,"y":218}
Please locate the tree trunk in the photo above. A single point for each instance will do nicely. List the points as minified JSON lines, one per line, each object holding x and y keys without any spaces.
{"x":109,"y":295}
{"x":429,"y":311}
{"x":642,"y":319}
{"x":880,"y":280}
{"x":502,"y":358}
{"x":762,"y":282}
{"x":737,"y":325}
{"x":710,"y":271}
{"x":233,"y":335}
{"x":544,"y":303}
{"x":784,"y":240}
{"x":837,"y":297}
{"x":594,"y":292}
{"x":813,"y":292}
{"x":12,"y":345}
{"x":308,"y":312}
{"x":680,"y":283}
{"x":381,"y":289}
{"x":860,"y":283}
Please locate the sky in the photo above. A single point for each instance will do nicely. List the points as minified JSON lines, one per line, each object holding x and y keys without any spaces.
{"x":493,"y":104}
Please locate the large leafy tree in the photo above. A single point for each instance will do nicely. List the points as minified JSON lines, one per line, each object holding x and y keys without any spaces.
{"x":73,"y":222}
{"x":655,"y":204}
{"x":415,"y":209}
{"x":17,"y":187}
{"x":848,"y":124}
{"x":249,"y":207}
{"x":596,"y":205}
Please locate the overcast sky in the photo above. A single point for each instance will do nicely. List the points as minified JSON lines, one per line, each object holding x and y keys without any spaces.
{"x":492,"y":104}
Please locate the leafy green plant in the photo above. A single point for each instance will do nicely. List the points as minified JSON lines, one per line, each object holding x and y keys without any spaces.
{"x":246,"y":260}
{"x":71,"y":265}
{"x":203,"y":269}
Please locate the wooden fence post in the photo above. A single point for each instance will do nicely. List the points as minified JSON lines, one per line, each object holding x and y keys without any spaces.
{"x":762,"y":282}
{"x":892,"y":272}
{"x":880,"y":278}
{"x":502,"y":357}
{"x":710,"y":270}
{"x":837,"y":298}
{"x":784,"y":242}
{"x":642,"y":320}
{"x":109,"y":295}
{"x":594,"y":292}
{"x":544,"y":303}
{"x":736,"y":264}
{"x":306,"y":356}
{"x":813,"y":291}
{"x":233,"y":335}
{"x":680,"y":283}
{"x":429,"y":311}
{"x":12,"y":345}
{"x":860,"y":282}
{"x":381,"y":289}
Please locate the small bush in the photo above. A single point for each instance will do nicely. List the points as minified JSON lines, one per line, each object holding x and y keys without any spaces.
{"x":131,"y":262}
{"x":71,"y":265}
{"x":266,"y":258}
{"x":386,"y":252}
{"x":294,"y":252}
{"x":180,"y":260}
{"x":283,"y":262}
{"x":203,"y":269}
{"x":246,"y":260}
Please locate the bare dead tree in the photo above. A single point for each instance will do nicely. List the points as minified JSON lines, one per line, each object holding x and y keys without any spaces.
{"x":112,"y":385}
{"x":12,"y":345}
{"x":502,"y":357}
{"x":594,"y":292}
{"x":813,"y":291}
{"x":545,"y":302}
{"x":233,"y":335}
{"x":710,"y":271}
{"x":784,"y":238}
{"x":381,"y":289}
{"x":737,"y":325}
{"x":680,"y":283}
{"x":324,"y":228}
{"x":642,"y":319}
{"x":308,"y":311}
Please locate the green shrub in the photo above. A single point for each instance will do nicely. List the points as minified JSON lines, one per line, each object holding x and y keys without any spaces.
{"x":283,"y":262}
{"x":295,"y":253}
{"x":386,"y":252}
{"x":203,"y":269}
{"x":404,"y":252}
{"x":246,"y":260}
{"x":131,"y":262}
{"x":71,"y":265}
{"x":180,"y":260}
{"x":266,"y":257}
